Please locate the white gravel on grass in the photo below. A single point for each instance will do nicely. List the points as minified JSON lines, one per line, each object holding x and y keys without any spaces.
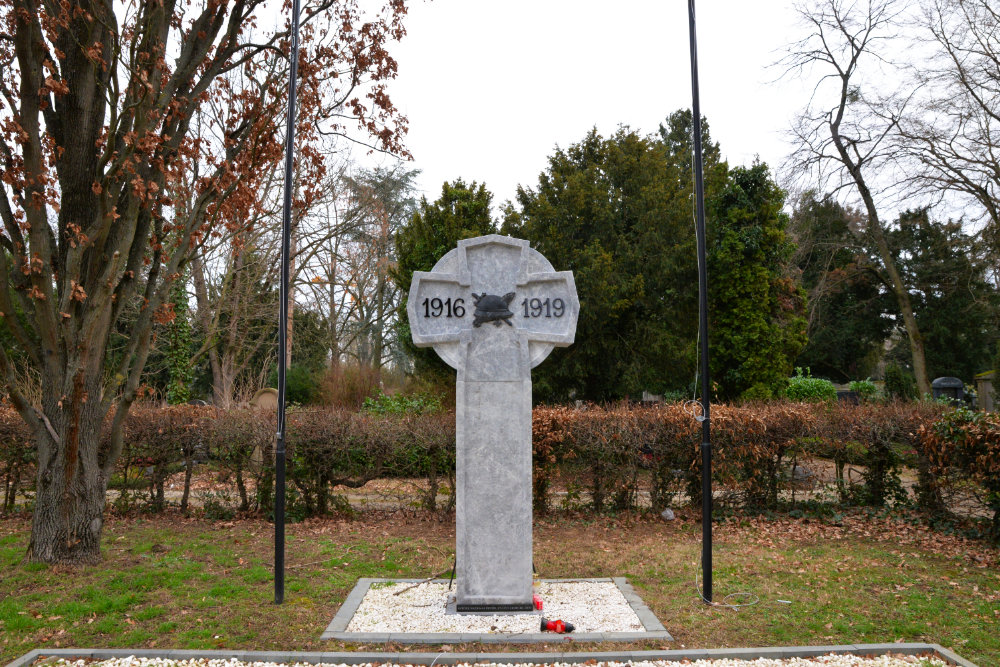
{"x":820,"y":661}
{"x":591,"y":606}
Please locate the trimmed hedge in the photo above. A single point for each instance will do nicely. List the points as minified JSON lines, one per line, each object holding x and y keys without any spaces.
{"x":963,"y":452}
{"x":754,"y":449}
{"x":325,"y":448}
{"x":613,"y":457}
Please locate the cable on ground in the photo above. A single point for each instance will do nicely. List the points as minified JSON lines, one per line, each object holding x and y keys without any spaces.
{"x":752,"y":598}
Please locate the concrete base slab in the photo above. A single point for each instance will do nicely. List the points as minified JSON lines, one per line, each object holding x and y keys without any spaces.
{"x":578,"y":657}
{"x":337,"y":629}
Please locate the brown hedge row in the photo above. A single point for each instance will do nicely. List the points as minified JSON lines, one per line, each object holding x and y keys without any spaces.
{"x":325,"y":448}
{"x":611,"y":457}
{"x":962,"y":450}
{"x":755,"y":448}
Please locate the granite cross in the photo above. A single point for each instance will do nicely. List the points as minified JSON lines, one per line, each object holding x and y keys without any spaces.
{"x":493,"y":308}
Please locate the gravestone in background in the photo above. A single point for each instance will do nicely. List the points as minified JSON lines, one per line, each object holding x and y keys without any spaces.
{"x":493,"y":309}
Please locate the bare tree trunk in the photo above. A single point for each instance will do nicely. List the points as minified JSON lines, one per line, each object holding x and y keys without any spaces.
{"x":333,"y":338}
{"x":906,"y":308}
{"x":189,"y":453}
{"x":186,"y":496}
{"x":379,"y":343}
{"x":896,"y":284}
{"x":840,"y":36}
{"x":223,"y":380}
{"x":877,"y":233}
{"x":220,"y":396}
{"x":70,"y":483}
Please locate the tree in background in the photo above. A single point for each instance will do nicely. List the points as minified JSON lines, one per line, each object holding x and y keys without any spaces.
{"x":381,"y":202}
{"x":676,"y":138}
{"x":951,"y":135}
{"x":953,"y":129}
{"x":178,"y":346}
{"x":844,"y":135}
{"x":757,"y":311}
{"x":309,"y":357}
{"x":956,"y":306}
{"x":236,"y":304}
{"x":16,"y":357}
{"x":618,"y":212}
{"x":847,"y":301}
{"x":95,"y":135}
{"x":461,"y":212}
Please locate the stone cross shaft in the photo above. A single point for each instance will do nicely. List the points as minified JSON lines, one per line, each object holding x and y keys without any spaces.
{"x":493,"y":309}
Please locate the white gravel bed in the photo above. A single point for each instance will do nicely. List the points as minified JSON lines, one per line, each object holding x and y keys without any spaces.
{"x":591,"y":606}
{"x":820,"y":661}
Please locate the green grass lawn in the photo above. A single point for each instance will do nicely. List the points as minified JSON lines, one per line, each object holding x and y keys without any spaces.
{"x":172,"y":582}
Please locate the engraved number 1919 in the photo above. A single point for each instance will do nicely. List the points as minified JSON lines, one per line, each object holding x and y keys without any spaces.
{"x":550,"y":307}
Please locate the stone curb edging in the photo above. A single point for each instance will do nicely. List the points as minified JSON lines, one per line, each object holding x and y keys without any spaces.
{"x":290,"y":657}
{"x":338,"y":626}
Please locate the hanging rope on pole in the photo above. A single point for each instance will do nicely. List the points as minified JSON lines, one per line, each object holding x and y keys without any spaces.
{"x":286,"y":233}
{"x":706,"y":442}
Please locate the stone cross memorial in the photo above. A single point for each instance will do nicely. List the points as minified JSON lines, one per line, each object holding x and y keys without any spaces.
{"x":493,"y":309}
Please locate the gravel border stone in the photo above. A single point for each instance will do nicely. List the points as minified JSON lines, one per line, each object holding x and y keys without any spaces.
{"x":337,"y":629}
{"x":291,"y":657}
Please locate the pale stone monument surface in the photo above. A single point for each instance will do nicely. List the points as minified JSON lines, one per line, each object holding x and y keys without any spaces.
{"x":493,"y":308}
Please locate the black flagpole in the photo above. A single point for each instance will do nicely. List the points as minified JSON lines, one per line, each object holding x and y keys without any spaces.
{"x":706,"y":442}
{"x":286,"y":233}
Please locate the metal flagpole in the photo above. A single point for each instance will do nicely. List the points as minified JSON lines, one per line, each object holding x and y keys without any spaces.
{"x":706,"y":442}
{"x":286,"y":233}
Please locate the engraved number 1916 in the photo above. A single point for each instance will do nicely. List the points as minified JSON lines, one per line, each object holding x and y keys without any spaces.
{"x":449,"y":308}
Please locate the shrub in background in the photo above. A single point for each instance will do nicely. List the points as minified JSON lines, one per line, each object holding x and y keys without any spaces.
{"x":400,"y":404}
{"x":327,"y":450}
{"x":870,"y":440}
{"x":758,"y":439}
{"x":608,"y":446}
{"x":349,"y":449}
{"x":301,"y":383}
{"x":882,"y":438}
{"x":347,"y":386}
{"x":866,"y":390}
{"x":807,"y":389}
{"x":547,"y":436}
{"x":899,"y":383}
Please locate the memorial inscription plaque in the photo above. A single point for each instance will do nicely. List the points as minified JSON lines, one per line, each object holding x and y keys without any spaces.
{"x":493,"y":308}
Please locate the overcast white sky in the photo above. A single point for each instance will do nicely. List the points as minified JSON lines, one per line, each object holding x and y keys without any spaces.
{"x":492,"y":86}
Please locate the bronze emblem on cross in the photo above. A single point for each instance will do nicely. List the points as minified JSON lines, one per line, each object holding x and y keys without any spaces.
{"x":492,"y":308}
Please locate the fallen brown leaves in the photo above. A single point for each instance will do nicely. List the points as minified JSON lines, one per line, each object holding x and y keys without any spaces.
{"x":769,"y":532}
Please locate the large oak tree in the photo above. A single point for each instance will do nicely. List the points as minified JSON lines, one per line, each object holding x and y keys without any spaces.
{"x":96,"y":138}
